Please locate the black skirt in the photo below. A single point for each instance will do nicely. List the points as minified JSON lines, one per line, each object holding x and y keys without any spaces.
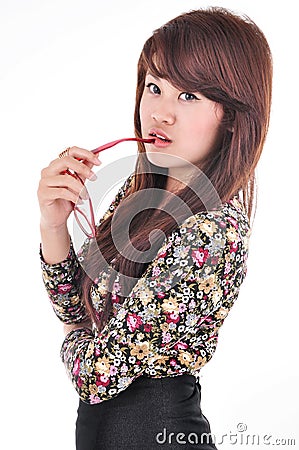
{"x":152,"y":413}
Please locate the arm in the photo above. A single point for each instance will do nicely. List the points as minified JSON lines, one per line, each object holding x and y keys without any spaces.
{"x":166,"y":321}
{"x":61,"y":279}
{"x":55,"y":242}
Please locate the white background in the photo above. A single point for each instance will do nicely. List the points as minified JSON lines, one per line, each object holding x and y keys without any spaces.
{"x":68,"y":73}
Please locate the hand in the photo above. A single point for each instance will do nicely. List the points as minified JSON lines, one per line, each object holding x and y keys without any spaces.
{"x":58,"y":191}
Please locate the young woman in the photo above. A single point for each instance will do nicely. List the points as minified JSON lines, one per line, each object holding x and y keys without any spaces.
{"x":141,"y":325}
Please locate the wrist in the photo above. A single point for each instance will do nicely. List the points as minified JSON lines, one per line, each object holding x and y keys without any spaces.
{"x":55,"y":229}
{"x":55,"y":243}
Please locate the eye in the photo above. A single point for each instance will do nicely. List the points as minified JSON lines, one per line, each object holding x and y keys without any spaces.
{"x":153,"y":88}
{"x":188,"y":97}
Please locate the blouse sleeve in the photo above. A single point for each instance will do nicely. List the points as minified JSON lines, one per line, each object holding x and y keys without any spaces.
{"x":178,"y":304}
{"x":61,"y":280}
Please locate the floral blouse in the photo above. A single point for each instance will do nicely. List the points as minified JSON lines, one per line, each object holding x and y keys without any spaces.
{"x":169,"y":323}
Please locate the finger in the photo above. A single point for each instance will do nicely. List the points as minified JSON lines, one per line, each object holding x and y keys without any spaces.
{"x":68,"y":162}
{"x":84,"y":155}
{"x":58,"y":193}
{"x":45,"y":191}
{"x":68,"y":182}
{"x":90,"y":165}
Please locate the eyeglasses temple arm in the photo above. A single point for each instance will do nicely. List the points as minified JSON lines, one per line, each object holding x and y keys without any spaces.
{"x":118,"y":141}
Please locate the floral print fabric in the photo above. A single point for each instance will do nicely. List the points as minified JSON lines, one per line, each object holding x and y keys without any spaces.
{"x":169,"y":323}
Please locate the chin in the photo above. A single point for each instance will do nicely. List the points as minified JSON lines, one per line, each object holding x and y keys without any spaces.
{"x":160,"y":159}
{"x":163,"y":159}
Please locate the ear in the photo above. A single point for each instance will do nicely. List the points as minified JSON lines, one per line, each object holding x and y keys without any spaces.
{"x":228,"y":119}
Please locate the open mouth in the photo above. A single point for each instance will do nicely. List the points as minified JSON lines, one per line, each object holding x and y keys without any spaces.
{"x":160,"y":137}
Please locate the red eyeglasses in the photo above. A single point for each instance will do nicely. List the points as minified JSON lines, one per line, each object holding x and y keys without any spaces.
{"x":81,"y":215}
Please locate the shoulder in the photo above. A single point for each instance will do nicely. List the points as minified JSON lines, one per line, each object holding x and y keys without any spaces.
{"x":225,"y":227}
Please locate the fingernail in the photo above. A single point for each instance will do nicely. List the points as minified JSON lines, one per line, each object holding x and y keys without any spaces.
{"x":92,"y":177}
{"x":84,"y":194}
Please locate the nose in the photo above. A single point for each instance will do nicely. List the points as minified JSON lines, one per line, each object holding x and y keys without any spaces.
{"x":164,"y":114}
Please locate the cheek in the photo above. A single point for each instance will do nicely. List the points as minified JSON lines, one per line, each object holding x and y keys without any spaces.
{"x":143,"y":111}
{"x":198,"y":128}
{"x":207,"y":125}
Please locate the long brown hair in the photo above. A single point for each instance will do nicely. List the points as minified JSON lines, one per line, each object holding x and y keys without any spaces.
{"x":226,"y":57}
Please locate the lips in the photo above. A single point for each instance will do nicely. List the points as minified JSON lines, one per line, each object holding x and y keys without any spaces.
{"x":160,"y":136}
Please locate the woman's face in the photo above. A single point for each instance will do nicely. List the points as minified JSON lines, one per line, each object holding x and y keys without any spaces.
{"x":186,"y":125}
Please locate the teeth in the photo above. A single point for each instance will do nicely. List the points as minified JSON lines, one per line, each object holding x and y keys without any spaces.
{"x":160,"y":137}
